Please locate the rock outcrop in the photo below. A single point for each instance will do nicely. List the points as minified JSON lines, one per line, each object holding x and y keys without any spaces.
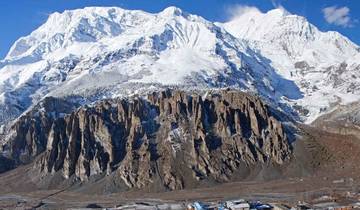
{"x":169,"y":137}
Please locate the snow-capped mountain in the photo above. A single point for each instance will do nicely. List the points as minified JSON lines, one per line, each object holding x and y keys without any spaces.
{"x":322,"y":64}
{"x":102,"y":52}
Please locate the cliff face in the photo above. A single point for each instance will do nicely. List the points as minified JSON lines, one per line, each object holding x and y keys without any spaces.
{"x":171,"y":137}
{"x":27,"y":137}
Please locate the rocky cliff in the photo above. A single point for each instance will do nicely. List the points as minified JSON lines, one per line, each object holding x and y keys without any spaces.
{"x":169,"y":137}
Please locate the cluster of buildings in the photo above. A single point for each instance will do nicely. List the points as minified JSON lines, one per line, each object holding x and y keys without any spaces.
{"x":237,"y":205}
{"x":244,"y":205}
{"x":328,"y":201}
{"x":231,"y":205}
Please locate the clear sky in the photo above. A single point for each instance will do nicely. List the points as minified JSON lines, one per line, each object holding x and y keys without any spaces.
{"x":20,"y":17}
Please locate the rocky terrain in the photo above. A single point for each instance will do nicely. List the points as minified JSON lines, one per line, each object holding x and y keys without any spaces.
{"x":343,"y":120}
{"x":171,"y":138}
{"x":317,"y":167}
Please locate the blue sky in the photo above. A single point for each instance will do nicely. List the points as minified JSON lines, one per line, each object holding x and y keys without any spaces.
{"x":20,"y":17}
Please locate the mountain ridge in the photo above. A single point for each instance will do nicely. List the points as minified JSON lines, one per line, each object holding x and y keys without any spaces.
{"x":181,"y":138}
{"x":100,"y":52}
{"x":300,"y":52}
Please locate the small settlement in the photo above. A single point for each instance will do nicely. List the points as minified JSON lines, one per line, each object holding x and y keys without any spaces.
{"x":234,"y":205}
{"x":330,"y":201}
{"x":245,"y":205}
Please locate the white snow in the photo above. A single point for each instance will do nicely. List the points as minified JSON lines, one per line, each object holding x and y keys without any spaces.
{"x":286,"y":39}
{"x":96,"y":51}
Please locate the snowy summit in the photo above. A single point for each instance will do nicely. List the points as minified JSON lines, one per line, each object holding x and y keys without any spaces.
{"x":102,"y":52}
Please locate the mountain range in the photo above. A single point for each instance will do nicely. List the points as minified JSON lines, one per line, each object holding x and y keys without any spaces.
{"x":99,"y":53}
{"x":108,"y":91}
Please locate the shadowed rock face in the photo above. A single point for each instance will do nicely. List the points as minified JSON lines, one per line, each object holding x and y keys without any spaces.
{"x":170,"y":137}
{"x":28,"y":136}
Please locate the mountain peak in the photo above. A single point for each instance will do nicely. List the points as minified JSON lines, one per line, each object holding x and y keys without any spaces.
{"x":271,"y":26}
{"x":172,"y":11}
{"x":253,"y":12}
{"x":89,"y":24}
{"x":280,"y":11}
